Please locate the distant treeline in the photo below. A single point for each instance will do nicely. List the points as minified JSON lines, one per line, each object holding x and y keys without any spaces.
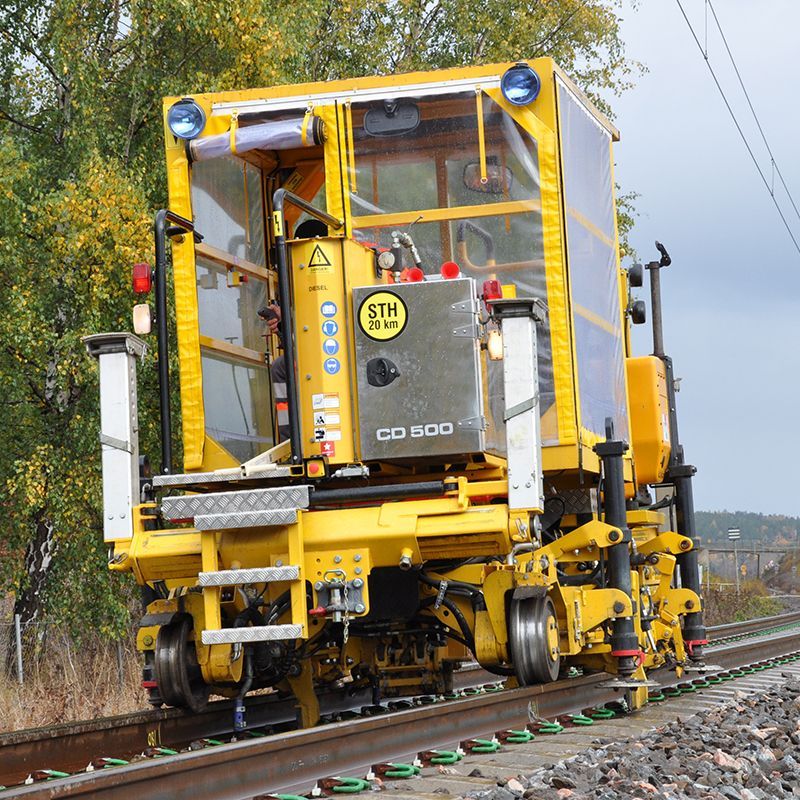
{"x":712,"y":526}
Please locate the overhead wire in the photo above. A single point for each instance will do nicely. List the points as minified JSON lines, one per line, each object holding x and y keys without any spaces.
{"x":752,"y":109}
{"x":739,"y":127}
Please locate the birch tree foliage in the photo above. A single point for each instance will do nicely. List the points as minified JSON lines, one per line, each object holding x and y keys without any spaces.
{"x":81,"y":173}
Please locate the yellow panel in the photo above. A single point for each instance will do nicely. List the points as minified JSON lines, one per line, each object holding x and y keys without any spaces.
{"x":183,"y":267}
{"x":649,"y":409}
{"x":160,"y":555}
{"x":336,"y":205}
{"x":323,"y":272}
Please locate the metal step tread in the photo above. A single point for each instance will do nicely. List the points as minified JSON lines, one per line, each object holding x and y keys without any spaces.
{"x":245,"y":500}
{"x":245,"y":519}
{"x":189,"y":479}
{"x":231,"y":577}
{"x":256,"y":633}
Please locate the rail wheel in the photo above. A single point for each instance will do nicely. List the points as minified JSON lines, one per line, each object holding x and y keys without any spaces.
{"x":533,"y":637}
{"x":180,"y":681}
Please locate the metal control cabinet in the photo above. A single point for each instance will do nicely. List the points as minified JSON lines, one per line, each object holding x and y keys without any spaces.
{"x":418,"y":369}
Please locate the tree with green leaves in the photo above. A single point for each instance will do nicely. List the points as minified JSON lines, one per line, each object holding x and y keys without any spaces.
{"x":81,"y":173}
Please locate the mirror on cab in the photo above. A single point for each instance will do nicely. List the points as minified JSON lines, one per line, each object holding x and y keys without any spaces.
{"x":392,"y":118}
{"x":499,"y":179}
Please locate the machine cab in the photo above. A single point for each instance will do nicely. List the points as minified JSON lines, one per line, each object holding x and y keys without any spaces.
{"x":490,"y":184}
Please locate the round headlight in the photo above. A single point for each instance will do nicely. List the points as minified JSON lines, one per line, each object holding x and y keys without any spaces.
{"x":520,"y":85}
{"x":186,"y":119}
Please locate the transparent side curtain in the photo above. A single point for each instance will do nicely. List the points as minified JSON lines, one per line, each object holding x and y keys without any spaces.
{"x":228,"y":210}
{"x":592,"y":260}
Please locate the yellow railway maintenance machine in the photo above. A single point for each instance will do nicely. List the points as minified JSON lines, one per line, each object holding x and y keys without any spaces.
{"x":430,"y":463}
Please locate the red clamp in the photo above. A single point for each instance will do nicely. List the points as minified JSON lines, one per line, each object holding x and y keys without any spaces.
{"x":692,"y":643}
{"x":637,"y":654}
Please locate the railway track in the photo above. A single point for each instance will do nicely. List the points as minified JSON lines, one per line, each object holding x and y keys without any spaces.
{"x":295,"y":760}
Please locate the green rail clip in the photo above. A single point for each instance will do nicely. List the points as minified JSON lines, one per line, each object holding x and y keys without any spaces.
{"x":113,"y":762}
{"x":349,"y":785}
{"x":481,"y":746}
{"x":159,"y":751}
{"x":445,"y":757}
{"x":546,"y":727}
{"x":516,"y":737}
{"x":394,"y":770}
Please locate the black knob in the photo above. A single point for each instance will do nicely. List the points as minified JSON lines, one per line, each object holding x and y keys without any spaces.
{"x":381,"y":371}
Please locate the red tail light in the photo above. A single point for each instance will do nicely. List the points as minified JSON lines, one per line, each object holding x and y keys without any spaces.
{"x":492,"y":290}
{"x":415,"y":275}
{"x":450,"y":270}
{"x":142,"y":278}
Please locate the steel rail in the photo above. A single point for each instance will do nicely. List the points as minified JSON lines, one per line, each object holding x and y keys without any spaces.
{"x":294,"y":762}
{"x":71,"y":746}
{"x":78,"y":742}
{"x":751,"y":625}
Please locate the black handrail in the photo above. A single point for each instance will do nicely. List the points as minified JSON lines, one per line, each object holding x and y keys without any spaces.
{"x":160,"y":233}
{"x":279,"y":199}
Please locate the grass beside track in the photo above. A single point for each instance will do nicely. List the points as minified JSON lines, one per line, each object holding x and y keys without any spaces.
{"x":66,"y":682}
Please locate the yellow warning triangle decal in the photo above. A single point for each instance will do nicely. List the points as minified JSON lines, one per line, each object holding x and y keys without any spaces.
{"x":318,"y":258}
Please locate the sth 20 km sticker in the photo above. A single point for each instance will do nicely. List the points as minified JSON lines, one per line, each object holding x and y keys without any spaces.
{"x":382,"y":316}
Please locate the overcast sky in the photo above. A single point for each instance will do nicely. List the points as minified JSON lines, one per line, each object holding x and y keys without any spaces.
{"x":732,"y":294}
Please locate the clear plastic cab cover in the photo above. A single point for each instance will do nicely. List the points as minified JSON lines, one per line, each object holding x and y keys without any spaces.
{"x":232,"y":285}
{"x":467,"y":189}
{"x":593,"y":266}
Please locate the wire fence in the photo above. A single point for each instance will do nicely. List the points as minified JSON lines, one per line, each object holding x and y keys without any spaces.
{"x":33,"y":651}
{"x":48,"y":676}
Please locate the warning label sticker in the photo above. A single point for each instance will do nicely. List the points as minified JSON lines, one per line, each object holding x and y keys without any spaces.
{"x":326,"y":418}
{"x":319,"y":261}
{"x":329,"y":400}
{"x":327,"y":434}
{"x":382,"y":316}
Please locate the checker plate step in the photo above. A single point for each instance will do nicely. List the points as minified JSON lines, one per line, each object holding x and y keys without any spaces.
{"x":260,"y":633}
{"x":247,"y":500}
{"x":245,"y":519}
{"x":235,"y":577}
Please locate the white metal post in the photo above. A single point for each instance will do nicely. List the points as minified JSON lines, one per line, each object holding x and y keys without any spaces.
{"x":518,"y":319}
{"x":733,"y":536}
{"x":119,"y":428}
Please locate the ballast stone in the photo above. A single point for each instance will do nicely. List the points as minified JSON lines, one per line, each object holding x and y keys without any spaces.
{"x":747,"y":749}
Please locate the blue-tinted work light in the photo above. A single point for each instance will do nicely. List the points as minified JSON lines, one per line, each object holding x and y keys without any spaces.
{"x":520,"y":85}
{"x":186,"y":119}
